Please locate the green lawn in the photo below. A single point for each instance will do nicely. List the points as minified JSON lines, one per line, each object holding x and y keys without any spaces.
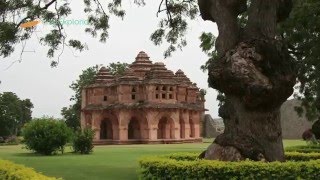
{"x":107,"y":162}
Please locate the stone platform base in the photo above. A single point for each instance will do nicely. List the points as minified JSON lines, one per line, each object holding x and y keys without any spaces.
{"x":146,"y":141}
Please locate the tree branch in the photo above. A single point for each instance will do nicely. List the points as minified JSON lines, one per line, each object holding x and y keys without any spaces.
{"x":224,"y":13}
{"x":31,"y":16}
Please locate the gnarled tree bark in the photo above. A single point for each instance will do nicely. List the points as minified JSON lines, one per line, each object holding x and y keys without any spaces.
{"x":255,"y":72}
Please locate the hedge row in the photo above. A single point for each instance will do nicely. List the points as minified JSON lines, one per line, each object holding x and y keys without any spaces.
{"x":290,"y":156}
{"x":304,"y":149}
{"x":298,"y":156}
{"x":187,"y":166}
{"x":11,"y":171}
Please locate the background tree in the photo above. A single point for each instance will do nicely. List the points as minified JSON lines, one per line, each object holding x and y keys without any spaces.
{"x":118,"y":68}
{"x":14,"y":113}
{"x":72,"y":113}
{"x":301,"y":32}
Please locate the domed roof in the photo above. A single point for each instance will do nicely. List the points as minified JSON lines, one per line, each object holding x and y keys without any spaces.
{"x":142,"y":63}
{"x":182,"y":78}
{"x":129,"y":75}
{"x":104,"y":75}
{"x":159,"y":71}
{"x":142,"y":56}
{"x":142,"y":69}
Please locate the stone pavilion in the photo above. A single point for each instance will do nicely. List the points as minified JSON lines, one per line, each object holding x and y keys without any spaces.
{"x":148,"y":104}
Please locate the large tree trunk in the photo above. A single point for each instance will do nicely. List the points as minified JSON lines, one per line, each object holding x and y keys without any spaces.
{"x":254,"y":134}
{"x":256,"y":74}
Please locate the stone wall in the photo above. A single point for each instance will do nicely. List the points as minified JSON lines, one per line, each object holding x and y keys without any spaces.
{"x":211,"y":127}
{"x":292,"y":125}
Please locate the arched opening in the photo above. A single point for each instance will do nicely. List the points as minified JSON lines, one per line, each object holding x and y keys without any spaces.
{"x":106,"y":130}
{"x":133,"y":90}
{"x":182,"y":129}
{"x":165,"y":129}
{"x":134,"y":131}
{"x":192,"y":129}
{"x":133,"y":93}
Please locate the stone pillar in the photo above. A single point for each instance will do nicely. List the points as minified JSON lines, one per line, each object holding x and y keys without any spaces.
{"x":83,"y":105}
{"x":196,"y":130}
{"x":96,"y":120}
{"x":176,"y":133}
{"x":152,"y":125}
{"x":84,"y":98}
{"x":144,"y":133}
{"x":82,"y":120}
{"x":153,"y":133}
{"x":185,"y":117}
{"x":168,"y":129}
{"x":196,"y":121}
{"x":187,"y":131}
{"x":123,"y":133}
{"x":175,"y":115}
{"x":124,"y":119}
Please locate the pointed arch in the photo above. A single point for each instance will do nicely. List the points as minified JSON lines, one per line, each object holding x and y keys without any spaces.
{"x":134,"y":130}
{"x":166,"y":128}
{"x":138,"y":128}
{"x":106,"y":129}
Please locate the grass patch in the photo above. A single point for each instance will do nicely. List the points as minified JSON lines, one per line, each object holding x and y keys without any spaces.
{"x":106,"y":162}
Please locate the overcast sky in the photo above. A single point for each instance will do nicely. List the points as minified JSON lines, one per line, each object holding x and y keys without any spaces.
{"x":48,"y":88}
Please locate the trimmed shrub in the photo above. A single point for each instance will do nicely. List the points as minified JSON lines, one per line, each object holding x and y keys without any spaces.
{"x":290,"y":156}
{"x":9,"y":170}
{"x":298,"y":156}
{"x":185,"y":156}
{"x":316,"y":129}
{"x":187,"y":166}
{"x":307,"y":135}
{"x":304,"y":149}
{"x":83,"y":141}
{"x":46,"y":135}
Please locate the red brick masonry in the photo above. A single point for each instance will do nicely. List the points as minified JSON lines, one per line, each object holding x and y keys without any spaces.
{"x":148,"y":104}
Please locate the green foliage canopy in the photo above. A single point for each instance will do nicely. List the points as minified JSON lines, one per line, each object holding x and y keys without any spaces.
{"x":14,"y":113}
{"x":302,"y":34}
{"x":13,"y":13}
{"x":71,"y":114}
